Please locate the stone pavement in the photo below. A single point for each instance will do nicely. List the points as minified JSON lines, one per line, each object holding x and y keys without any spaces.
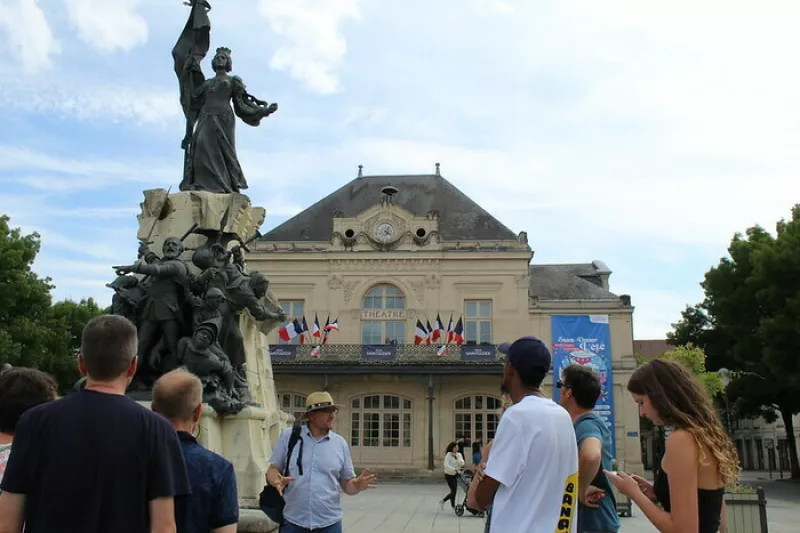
{"x":414,"y":508}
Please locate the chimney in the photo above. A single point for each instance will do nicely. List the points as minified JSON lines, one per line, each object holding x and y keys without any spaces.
{"x":603,"y":272}
{"x":360,"y":171}
{"x":437,"y":170}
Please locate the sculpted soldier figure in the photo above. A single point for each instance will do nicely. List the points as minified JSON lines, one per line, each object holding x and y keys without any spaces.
{"x":162,"y":313}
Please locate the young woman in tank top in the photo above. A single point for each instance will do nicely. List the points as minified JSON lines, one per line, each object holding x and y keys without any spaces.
{"x":699,"y":461}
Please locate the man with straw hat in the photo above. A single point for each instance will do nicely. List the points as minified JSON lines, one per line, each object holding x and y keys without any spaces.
{"x":319,"y":470}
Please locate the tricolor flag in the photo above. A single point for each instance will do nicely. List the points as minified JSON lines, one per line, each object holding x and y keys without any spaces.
{"x":303,"y":331}
{"x":458,"y":332}
{"x":429,"y":331}
{"x":442,"y":350}
{"x":315,"y":352}
{"x":420,"y":333}
{"x":450,"y":330}
{"x":316,"y":331}
{"x":438,"y":329}
{"x":333,"y":325}
{"x":289,"y":331}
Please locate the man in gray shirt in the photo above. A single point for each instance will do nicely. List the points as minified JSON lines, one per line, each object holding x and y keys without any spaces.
{"x":313,"y":499}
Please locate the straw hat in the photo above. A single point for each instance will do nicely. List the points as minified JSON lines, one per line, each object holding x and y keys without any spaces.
{"x":319,"y":400}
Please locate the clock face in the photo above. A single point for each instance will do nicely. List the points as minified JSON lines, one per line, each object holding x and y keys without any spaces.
{"x":384,"y":231}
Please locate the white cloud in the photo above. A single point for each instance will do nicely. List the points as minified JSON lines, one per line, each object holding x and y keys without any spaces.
{"x":28,"y":34}
{"x":314,"y":46}
{"x":108,"y":25}
{"x":76,"y":96}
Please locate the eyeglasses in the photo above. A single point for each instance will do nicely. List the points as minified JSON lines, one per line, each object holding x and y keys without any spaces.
{"x":561,"y":385}
{"x":328,"y":410}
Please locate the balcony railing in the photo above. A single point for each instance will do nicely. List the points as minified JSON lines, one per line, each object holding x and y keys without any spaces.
{"x":397,"y":354}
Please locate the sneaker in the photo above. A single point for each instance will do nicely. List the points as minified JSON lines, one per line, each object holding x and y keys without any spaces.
{"x":441,"y":505}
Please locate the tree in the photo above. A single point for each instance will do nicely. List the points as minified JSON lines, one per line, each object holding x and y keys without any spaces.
{"x":24,"y":299}
{"x":694,"y":359}
{"x":749,"y":321}
{"x":33,"y":332}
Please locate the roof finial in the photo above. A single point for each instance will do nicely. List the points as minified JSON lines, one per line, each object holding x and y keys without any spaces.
{"x":437,"y":169}
{"x":360,"y":171}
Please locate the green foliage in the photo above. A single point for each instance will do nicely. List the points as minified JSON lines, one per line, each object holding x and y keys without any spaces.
{"x":749,"y":322}
{"x":694,"y":359}
{"x":33,"y":332}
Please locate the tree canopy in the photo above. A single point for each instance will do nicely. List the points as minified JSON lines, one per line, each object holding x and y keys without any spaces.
{"x":34,"y":332}
{"x":749,"y":322}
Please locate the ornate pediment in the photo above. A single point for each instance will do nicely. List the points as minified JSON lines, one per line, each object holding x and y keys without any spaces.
{"x":386,"y":227}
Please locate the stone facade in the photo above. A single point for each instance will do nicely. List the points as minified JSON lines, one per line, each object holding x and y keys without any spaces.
{"x":397,"y":258}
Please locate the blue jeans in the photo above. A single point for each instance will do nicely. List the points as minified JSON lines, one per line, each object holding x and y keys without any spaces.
{"x":288,"y":527}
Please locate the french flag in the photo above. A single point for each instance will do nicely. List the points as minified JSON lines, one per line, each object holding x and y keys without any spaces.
{"x":438,"y":329}
{"x":315,"y":352}
{"x":458,"y":332}
{"x":429,"y":332}
{"x":442,"y":350}
{"x":450,"y":330}
{"x":333,"y":326}
{"x":316,"y":332}
{"x":420,"y":334}
{"x":289,"y":331}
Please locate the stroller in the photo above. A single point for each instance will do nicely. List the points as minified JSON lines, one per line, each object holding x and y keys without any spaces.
{"x":464,"y":480}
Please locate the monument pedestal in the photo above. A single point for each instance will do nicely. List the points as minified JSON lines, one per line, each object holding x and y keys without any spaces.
{"x":245,"y":438}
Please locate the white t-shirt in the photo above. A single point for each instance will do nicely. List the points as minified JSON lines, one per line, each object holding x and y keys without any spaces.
{"x":535,"y":459}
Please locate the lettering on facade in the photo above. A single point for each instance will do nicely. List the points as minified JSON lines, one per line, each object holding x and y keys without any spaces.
{"x":383,"y":314}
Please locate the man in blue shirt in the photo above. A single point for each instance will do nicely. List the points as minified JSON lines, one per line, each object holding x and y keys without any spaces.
{"x":214,"y":504}
{"x":580,"y":389}
{"x":313,"y":496}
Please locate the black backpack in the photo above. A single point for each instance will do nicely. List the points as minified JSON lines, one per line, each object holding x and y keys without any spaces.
{"x":271,"y":501}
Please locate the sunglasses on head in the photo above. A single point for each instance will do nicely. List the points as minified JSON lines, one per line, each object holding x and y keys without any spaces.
{"x":328,"y":410}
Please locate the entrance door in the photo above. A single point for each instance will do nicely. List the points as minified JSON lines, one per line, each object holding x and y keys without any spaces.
{"x":380,"y":429}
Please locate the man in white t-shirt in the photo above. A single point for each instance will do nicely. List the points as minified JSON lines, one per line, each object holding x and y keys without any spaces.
{"x":532,"y":469}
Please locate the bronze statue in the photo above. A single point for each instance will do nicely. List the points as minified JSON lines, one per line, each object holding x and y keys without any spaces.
{"x":162,"y":313}
{"x":211,"y":163}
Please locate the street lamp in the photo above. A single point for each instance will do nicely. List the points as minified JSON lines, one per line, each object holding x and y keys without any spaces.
{"x":725,"y":377}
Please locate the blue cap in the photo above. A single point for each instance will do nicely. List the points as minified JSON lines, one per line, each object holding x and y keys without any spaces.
{"x":528,"y":355}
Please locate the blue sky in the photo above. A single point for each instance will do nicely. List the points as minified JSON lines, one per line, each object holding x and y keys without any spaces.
{"x":640,"y":134}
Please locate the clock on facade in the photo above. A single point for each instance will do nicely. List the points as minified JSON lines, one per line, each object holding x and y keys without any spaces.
{"x":384,"y":231}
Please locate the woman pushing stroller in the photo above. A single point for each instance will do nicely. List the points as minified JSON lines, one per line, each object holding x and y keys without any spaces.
{"x":453,"y":462}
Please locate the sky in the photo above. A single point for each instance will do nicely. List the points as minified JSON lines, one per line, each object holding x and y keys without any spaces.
{"x":641,"y":134}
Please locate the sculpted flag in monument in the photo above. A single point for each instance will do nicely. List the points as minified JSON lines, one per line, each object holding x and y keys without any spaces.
{"x":210,"y":160}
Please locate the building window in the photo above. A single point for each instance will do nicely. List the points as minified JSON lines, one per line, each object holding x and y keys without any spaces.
{"x":293,"y":309}
{"x":478,"y":321}
{"x":476,"y":417}
{"x":380,"y":421}
{"x":383,"y":331}
{"x":294,"y":404}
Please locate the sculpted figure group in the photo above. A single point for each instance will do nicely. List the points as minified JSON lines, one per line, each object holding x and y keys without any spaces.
{"x":193,"y":320}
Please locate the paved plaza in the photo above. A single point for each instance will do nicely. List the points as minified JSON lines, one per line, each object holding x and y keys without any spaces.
{"x":414,"y":508}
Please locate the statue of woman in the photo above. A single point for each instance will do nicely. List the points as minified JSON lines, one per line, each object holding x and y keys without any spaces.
{"x":211,"y":163}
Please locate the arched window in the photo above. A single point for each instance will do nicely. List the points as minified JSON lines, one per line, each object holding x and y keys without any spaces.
{"x":477,"y":416}
{"x":386,"y":328}
{"x":380,"y":421}
{"x":294,"y":404}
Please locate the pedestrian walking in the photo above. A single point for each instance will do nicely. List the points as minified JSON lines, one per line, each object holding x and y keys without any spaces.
{"x":597,"y":507}
{"x":699,"y":460}
{"x":532,"y":468}
{"x":214,"y":504}
{"x":452,"y":463}
{"x":312,"y":490}
{"x":95,"y":461}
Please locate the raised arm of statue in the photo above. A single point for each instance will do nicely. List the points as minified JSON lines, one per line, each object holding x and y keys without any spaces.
{"x":247,"y":107}
{"x":168,"y":269}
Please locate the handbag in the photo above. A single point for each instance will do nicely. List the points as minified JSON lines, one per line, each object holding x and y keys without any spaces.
{"x":271,"y":501}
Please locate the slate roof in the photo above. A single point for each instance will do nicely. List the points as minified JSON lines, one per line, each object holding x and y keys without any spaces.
{"x":568,"y":282}
{"x":460,"y":218}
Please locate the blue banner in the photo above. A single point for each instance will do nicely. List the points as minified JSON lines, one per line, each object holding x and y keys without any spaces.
{"x":379,"y":352}
{"x":585,"y":340}
{"x":282,"y":352}
{"x":478,"y":352}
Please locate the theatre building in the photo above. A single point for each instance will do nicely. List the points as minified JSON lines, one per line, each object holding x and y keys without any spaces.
{"x":383,"y":255}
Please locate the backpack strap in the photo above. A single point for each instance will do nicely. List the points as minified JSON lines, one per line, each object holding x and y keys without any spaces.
{"x":293,"y":440}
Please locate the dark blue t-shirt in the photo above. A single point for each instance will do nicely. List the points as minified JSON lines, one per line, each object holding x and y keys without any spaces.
{"x":603,"y":518}
{"x":214,"y":501}
{"x":91,"y":463}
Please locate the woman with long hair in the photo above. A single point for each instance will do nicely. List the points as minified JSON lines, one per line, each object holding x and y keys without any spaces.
{"x":453,"y":462}
{"x":699,"y":459}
